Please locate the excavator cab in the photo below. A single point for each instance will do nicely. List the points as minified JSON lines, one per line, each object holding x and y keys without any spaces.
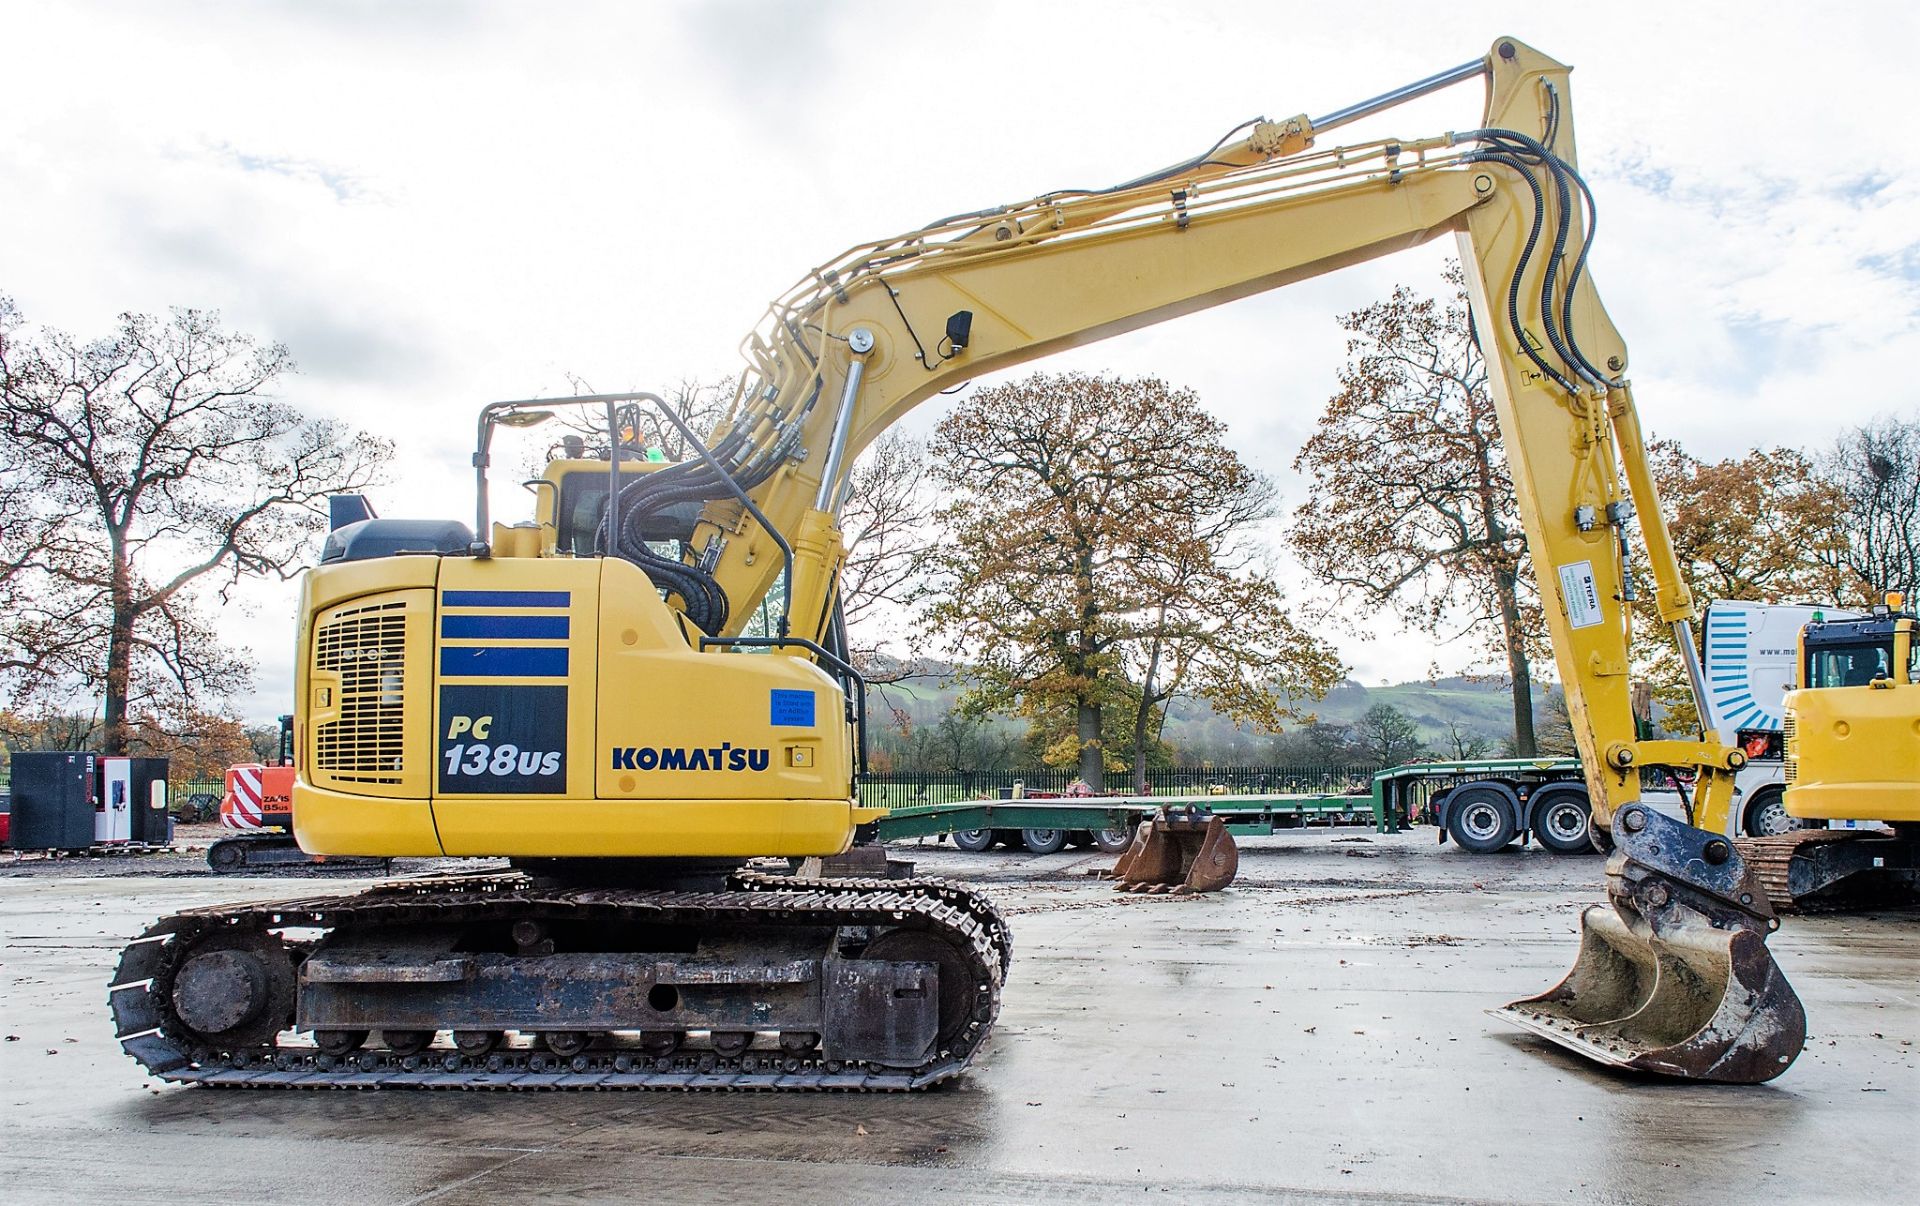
{"x":1850,"y":757}
{"x":1849,"y":728}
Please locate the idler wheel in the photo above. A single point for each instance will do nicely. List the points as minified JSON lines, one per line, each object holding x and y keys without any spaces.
{"x":235,"y":989}
{"x":406,"y":1042}
{"x":566,"y":1043}
{"x":798,"y":1042}
{"x":729,"y":1043}
{"x":219,"y":990}
{"x":476,"y":1042}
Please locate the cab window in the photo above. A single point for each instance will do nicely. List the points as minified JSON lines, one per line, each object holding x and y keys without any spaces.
{"x":1848,"y":665}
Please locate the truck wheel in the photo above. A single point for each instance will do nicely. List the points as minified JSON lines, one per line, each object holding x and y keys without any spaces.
{"x":973,"y":841}
{"x":1112,"y":841}
{"x":1766,"y":815}
{"x":1044,"y":841}
{"x":1481,"y":820}
{"x":1561,"y":819}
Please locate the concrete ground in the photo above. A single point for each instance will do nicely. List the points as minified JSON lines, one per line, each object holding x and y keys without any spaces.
{"x":1314,"y":1033}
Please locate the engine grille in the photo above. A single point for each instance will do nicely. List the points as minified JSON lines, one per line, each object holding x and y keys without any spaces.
{"x":1789,"y":748}
{"x":366,"y":646}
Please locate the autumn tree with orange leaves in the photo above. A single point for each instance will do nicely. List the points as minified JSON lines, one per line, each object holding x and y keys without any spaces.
{"x":1098,"y":554}
{"x":1411,"y":504}
{"x":1760,"y":526}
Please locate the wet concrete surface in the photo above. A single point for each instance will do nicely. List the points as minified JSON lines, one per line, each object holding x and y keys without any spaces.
{"x":1315,"y":1033}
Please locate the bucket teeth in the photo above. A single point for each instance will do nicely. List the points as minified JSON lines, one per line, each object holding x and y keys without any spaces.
{"x":1674,"y":978}
{"x":1178,"y":853}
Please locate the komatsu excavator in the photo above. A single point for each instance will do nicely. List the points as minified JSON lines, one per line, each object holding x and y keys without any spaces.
{"x":587,"y":694}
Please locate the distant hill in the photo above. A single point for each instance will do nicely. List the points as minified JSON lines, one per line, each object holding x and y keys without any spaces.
{"x":1480,"y":707}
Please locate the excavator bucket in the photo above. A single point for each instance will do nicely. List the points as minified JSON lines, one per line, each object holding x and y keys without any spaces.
{"x":1183,"y":852}
{"x":1675,"y":977}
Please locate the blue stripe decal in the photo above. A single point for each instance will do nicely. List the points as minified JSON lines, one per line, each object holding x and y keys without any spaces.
{"x":481,"y":662}
{"x":527,"y":628}
{"x":504,"y":598}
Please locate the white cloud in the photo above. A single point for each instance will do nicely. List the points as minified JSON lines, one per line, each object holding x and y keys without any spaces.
{"x":437,"y":205}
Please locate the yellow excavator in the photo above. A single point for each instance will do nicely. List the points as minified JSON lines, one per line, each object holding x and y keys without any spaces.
{"x":646,"y":684}
{"x":1851,"y":755}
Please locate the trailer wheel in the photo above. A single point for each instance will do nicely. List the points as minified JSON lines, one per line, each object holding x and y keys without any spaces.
{"x":1112,"y":841}
{"x":1766,"y":815}
{"x":1044,"y":841}
{"x":1560,"y":820}
{"x":1480,"y":820}
{"x":973,"y":841}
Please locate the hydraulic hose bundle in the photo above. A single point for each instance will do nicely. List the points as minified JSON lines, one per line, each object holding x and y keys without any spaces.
{"x":1523,"y":154}
{"x":642,"y":501}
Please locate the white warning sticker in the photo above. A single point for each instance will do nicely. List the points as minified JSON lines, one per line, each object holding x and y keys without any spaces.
{"x":1583,"y":598}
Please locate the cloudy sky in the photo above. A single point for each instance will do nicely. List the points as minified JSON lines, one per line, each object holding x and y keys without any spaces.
{"x":435,"y":204}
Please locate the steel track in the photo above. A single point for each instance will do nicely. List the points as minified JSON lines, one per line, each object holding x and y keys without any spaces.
{"x":153,"y":1034}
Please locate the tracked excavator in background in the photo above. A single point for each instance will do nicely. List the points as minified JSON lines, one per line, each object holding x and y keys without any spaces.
{"x":646,"y":685}
{"x":1850,"y":756}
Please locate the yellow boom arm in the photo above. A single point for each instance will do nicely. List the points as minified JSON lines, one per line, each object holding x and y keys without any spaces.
{"x":867,"y":337}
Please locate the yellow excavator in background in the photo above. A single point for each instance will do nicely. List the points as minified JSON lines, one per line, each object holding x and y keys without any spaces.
{"x":646,"y":685}
{"x":1852,"y":737}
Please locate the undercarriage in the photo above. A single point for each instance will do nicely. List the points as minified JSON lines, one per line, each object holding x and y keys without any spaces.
{"x":1834,"y":870}
{"x":500,"y":981}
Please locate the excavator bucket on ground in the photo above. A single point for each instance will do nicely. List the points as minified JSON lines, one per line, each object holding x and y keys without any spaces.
{"x":1178,"y":851}
{"x":1675,"y":978}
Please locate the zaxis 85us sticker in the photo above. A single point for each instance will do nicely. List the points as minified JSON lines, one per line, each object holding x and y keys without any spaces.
{"x":503,"y":740}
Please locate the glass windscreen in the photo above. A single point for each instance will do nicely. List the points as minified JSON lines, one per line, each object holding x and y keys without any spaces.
{"x":582,"y":508}
{"x":1849,"y":665}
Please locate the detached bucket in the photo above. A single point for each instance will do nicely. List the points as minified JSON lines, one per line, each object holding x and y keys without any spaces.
{"x":1180,"y":853}
{"x":1696,"y":1002}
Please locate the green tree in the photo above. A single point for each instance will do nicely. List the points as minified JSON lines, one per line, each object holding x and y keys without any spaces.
{"x":1411,"y":502}
{"x":147,"y":472}
{"x":1317,"y":743}
{"x":1389,"y":736}
{"x":1093,"y":527}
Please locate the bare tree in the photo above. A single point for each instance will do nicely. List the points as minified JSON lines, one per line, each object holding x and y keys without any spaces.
{"x":885,"y":523}
{"x":1463,"y":744}
{"x":1412,"y":501}
{"x":1875,"y":469}
{"x":702,"y":405}
{"x":149,"y":471}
